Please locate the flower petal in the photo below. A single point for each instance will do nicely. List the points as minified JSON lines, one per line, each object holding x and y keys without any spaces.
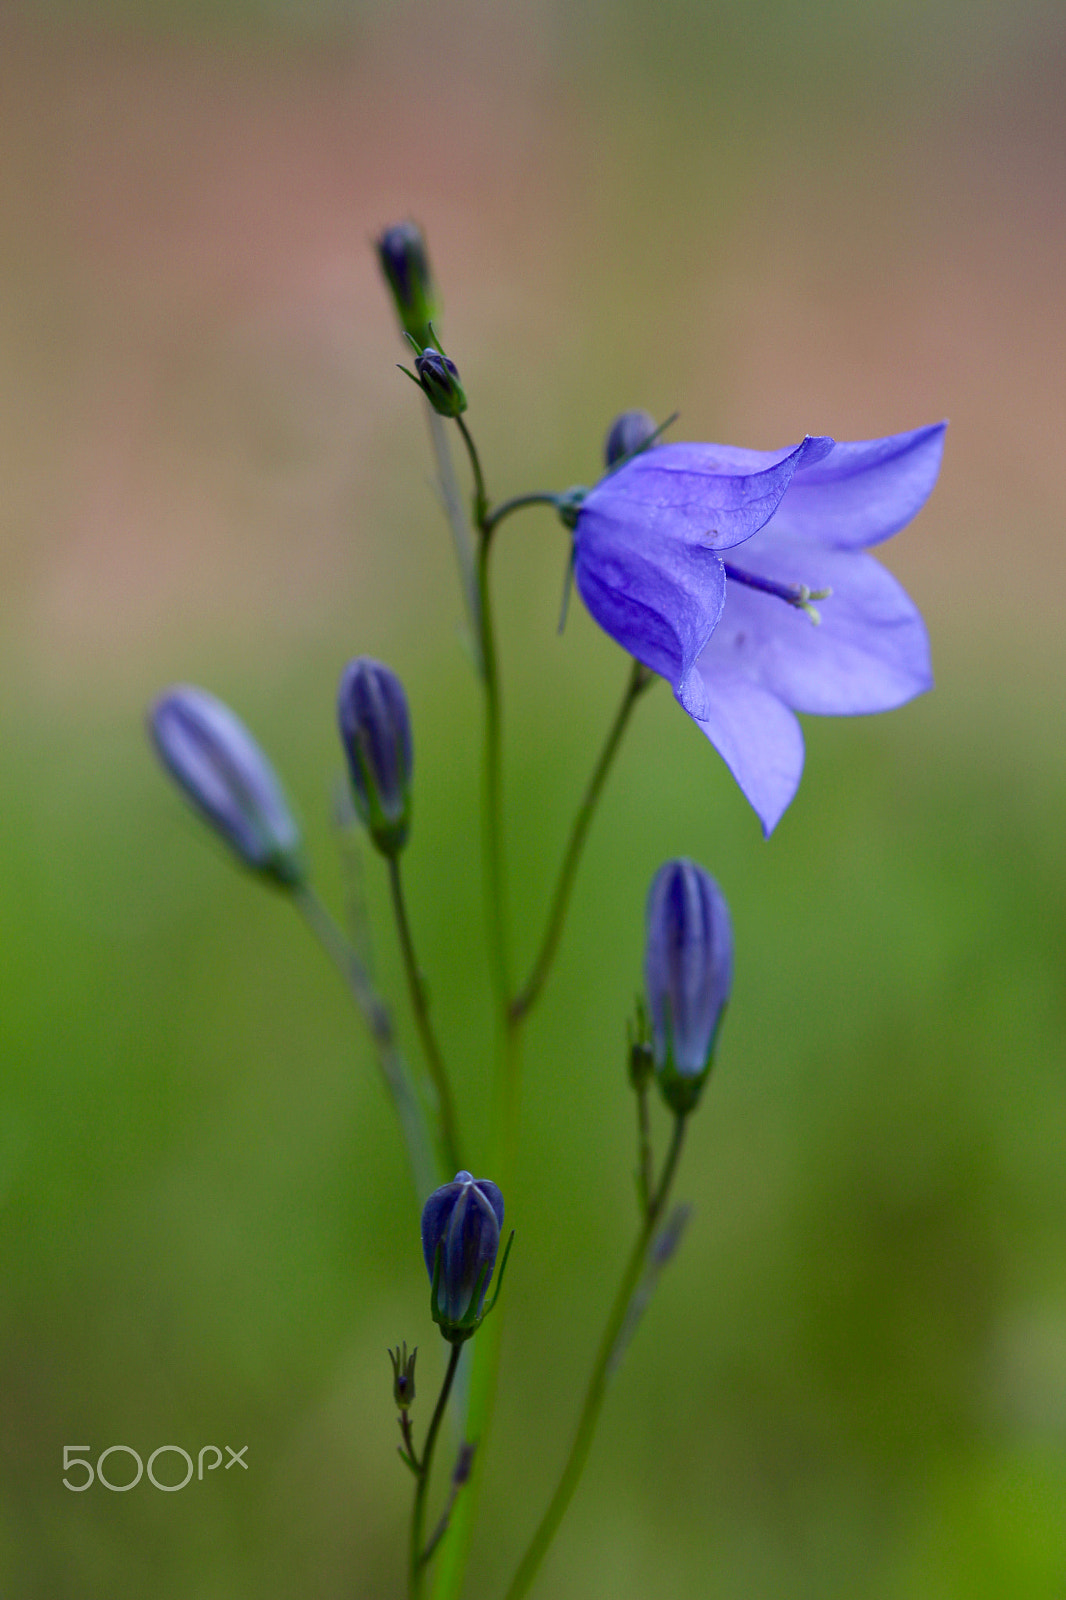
{"x":756,"y":736}
{"x":864,"y":491}
{"x":662,"y":612}
{"x":709,"y":495}
{"x":870,"y":653}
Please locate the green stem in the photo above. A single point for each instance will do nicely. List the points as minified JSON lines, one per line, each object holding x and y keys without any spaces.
{"x":421,"y":1153}
{"x":420,"y":1007}
{"x":417,"y":1557}
{"x":486,"y":1351}
{"x":639,"y":679}
{"x":644,"y":1156}
{"x":518,"y":503}
{"x":481,"y":499}
{"x":457,"y":522}
{"x":495,"y":885}
{"x":597,"y":1387}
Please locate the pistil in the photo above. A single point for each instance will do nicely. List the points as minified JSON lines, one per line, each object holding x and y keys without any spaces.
{"x":793,"y":594}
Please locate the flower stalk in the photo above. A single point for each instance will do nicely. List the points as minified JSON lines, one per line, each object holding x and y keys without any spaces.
{"x":639,"y":679}
{"x":418,"y":1553}
{"x":603,"y":1367}
{"x":422,"y":1154}
{"x":416,"y":988}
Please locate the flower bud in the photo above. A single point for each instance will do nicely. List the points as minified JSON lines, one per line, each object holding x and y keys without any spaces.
{"x":628,"y":433}
{"x":213,"y":757}
{"x":460,"y":1237}
{"x":375,"y":730}
{"x":439,"y":377}
{"x":402,"y":255}
{"x":688,"y":973}
{"x":403,"y":1375}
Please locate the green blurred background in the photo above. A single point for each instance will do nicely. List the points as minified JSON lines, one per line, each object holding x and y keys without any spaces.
{"x":775,"y":218}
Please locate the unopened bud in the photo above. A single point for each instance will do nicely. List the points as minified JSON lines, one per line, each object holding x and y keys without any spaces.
{"x":628,"y":434}
{"x":214,"y":759}
{"x":403,"y":1375}
{"x":461,"y":1225}
{"x":375,"y":728}
{"x":688,"y":974}
{"x":402,"y":255}
{"x":439,"y":378}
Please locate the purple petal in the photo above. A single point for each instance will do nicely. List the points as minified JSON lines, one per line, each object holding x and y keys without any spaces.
{"x":871,"y":652}
{"x":709,"y":495}
{"x":662,"y":612}
{"x":756,"y":736}
{"x":863,"y":491}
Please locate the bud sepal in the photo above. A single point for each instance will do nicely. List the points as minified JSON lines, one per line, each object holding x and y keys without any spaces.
{"x":403,"y":1375}
{"x":470,"y":1322}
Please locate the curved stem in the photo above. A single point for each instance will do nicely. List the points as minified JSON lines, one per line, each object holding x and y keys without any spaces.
{"x":481,"y":499}
{"x":640,"y":678}
{"x":420,"y":1007}
{"x":518,"y":503}
{"x":597,"y":1387}
{"x":417,"y":1555}
{"x":421,"y":1154}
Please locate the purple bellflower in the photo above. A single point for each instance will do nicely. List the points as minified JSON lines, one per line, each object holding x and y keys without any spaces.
{"x":736,"y":639}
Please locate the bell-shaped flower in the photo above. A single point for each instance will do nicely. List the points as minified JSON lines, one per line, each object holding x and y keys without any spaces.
{"x":688,"y":975}
{"x":735,"y":636}
{"x":212,"y":756}
{"x":461,"y":1225}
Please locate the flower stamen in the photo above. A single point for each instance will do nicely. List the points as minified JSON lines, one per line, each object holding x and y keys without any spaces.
{"x":793,"y":594}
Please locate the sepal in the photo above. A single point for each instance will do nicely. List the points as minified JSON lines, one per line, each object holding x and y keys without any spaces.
{"x":470,"y":1322}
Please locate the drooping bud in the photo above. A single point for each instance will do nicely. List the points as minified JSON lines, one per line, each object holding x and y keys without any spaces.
{"x":628,"y":432}
{"x":375,"y":728}
{"x":461,"y":1225}
{"x":439,"y":378}
{"x":214,"y":759}
{"x":688,"y":973}
{"x":402,"y":255}
{"x":403,"y":1375}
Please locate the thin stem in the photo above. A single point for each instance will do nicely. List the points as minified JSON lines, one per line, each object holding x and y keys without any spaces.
{"x":481,"y":499}
{"x":457,"y":522}
{"x":644,"y":1155}
{"x":420,"y":1007}
{"x":460,"y":1477}
{"x":597,"y":1387}
{"x":493,"y":787}
{"x":640,"y":678}
{"x":417,"y":1559}
{"x":494,"y":517}
{"x":421,"y":1153}
{"x":486,"y":1351}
